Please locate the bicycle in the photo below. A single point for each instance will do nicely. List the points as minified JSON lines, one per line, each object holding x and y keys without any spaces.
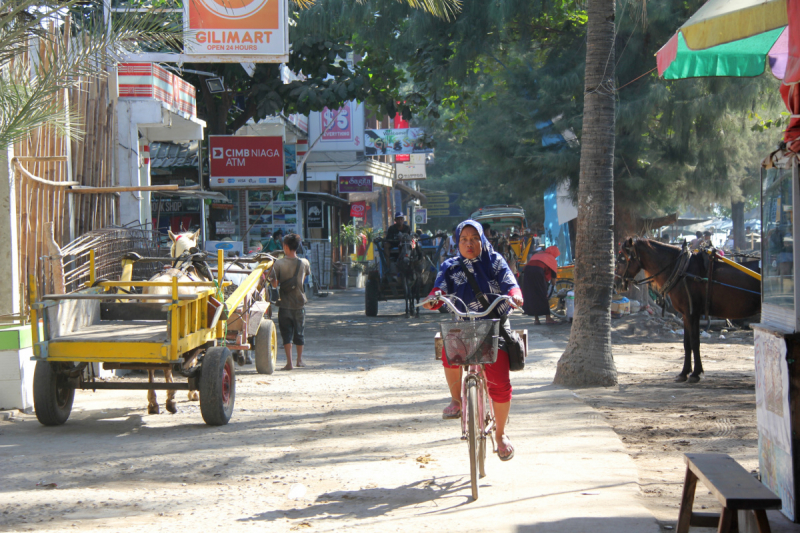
{"x":473,"y":344}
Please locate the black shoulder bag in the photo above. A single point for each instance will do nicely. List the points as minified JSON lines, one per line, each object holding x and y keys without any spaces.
{"x":514,"y":344}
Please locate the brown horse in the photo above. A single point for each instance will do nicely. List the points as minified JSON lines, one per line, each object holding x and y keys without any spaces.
{"x":733,"y":294}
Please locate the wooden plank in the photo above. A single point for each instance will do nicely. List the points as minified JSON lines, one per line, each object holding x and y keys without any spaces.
{"x":100,"y":352}
{"x":687,"y":501}
{"x":118,"y":331}
{"x":762,"y":521}
{"x":132,"y":311}
{"x":733,"y":486}
{"x":109,"y":296}
{"x":705,"y":520}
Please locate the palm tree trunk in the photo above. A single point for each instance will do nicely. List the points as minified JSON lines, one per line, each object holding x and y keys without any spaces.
{"x":587,"y":360}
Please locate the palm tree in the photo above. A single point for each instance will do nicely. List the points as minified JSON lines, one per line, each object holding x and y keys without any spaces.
{"x":37,"y":64}
{"x":587,"y":360}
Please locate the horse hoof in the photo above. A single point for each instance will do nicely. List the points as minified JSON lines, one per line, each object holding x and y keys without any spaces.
{"x":153,"y":409}
{"x":694,"y":379}
{"x":680,"y":378}
{"x":407,"y":315}
{"x":193,"y":397}
{"x":172,"y":406}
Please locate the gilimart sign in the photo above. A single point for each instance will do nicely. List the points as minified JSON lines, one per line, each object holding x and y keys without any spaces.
{"x":238,"y":27}
{"x":245,"y":162}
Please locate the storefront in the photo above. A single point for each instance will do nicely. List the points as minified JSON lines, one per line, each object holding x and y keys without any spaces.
{"x":777,"y":337}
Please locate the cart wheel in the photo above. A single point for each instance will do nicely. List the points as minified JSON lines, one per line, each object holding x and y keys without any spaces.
{"x":217,"y":386}
{"x":371,"y":296}
{"x":266,"y":347}
{"x":52,"y":395}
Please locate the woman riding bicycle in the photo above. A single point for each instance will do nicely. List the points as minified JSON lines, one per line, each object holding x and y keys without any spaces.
{"x":494,"y":277}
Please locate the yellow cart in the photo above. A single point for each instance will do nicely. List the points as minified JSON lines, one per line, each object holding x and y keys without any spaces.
{"x":73,"y":333}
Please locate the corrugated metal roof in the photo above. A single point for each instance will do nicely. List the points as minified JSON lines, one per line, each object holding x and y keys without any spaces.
{"x":172,"y":155}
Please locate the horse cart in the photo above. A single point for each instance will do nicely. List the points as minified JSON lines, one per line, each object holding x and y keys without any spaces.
{"x":385,"y":279}
{"x":116,"y":324}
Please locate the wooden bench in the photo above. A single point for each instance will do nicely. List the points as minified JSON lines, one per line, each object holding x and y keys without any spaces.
{"x":734,"y":487}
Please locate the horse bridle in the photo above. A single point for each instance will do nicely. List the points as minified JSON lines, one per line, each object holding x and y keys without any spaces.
{"x":627,"y":278}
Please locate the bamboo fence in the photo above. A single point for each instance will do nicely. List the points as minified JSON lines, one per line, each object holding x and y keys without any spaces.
{"x":48,"y":214}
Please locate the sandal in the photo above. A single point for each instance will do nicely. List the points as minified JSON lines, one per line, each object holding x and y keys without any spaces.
{"x":505,"y":446}
{"x":452,"y":411}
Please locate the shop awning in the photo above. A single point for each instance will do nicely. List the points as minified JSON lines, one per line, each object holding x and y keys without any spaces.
{"x":325,"y":197}
{"x":408,"y":190}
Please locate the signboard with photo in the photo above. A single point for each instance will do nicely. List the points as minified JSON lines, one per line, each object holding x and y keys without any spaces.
{"x":392,"y":142}
{"x":216,"y":31}
{"x":246,"y":161}
{"x":354,"y":184}
{"x":315,"y":214}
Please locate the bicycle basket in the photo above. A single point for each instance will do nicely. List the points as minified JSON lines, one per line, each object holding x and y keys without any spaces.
{"x":470,"y":343}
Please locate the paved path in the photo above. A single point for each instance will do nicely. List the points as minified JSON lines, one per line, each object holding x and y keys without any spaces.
{"x":353,"y":442}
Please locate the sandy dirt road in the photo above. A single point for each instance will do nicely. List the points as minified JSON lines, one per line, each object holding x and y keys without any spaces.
{"x":355,"y":441}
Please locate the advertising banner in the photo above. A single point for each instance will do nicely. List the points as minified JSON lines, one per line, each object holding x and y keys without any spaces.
{"x":420,"y":216}
{"x":392,"y":142}
{"x":266,"y":215}
{"x":215,"y":31}
{"x":346,"y":131}
{"x":358,"y":209}
{"x":226,"y":228}
{"x":245,"y":162}
{"x":314,"y":214}
{"x":355,"y":184}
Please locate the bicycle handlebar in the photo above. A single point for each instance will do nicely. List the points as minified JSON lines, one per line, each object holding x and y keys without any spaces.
{"x":468,"y":314}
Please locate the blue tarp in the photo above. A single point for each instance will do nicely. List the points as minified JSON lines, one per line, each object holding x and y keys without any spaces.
{"x":556,"y":234}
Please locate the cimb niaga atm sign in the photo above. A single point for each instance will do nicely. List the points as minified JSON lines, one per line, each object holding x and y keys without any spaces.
{"x":245,"y":162}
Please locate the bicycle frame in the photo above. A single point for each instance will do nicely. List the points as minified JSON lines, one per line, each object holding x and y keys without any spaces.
{"x":476,"y":373}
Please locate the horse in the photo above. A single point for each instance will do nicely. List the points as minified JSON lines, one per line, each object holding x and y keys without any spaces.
{"x":181,"y":243}
{"x":685,"y":277}
{"x":409,"y":267}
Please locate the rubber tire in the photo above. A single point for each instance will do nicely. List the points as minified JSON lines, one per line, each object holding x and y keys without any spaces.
{"x":371,"y":296}
{"x":266,"y":347}
{"x":216,"y":372}
{"x":52,"y":408}
{"x":482,"y":440}
{"x":472,"y":435}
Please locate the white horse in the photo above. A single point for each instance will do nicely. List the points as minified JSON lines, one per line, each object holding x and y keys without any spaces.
{"x":181,"y":243}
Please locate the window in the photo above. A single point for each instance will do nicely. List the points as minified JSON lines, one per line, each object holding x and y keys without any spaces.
{"x":777,"y":237}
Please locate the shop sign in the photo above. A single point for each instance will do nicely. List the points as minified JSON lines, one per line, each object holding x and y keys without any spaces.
{"x":337,"y":124}
{"x":348,"y":184}
{"x":358,"y":209}
{"x":229,"y":247}
{"x":215,"y":31}
{"x":401,"y":141}
{"x":402,"y":158}
{"x":314,"y":214}
{"x":246,"y":162}
{"x":226,"y":228}
{"x":420,"y":216}
{"x":411,"y":171}
{"x":337,"y":130}
{"x":442,"y":205}
{"x":175,"y":205}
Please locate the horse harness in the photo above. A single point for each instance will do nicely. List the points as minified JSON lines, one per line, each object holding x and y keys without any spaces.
{"x":678,"y":275}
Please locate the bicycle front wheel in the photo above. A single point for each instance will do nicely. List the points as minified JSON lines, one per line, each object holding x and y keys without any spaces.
{"x":472,"y":435}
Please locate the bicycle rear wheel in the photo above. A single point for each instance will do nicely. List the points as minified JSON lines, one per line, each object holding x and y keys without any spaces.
{"x":472,"y":435}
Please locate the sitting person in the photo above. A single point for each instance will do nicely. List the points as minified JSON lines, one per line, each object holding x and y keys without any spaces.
{"x":493,"y":276}
{"x":392,"y":239}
